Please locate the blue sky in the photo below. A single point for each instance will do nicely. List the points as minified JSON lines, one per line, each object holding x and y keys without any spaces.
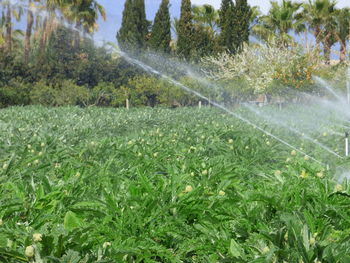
{"x":114,"y":8}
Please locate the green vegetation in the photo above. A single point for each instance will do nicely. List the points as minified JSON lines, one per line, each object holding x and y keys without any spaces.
{"x":134,"y":29}
{"x":185,"y":31}
{"x":103,"y":185}
{"x":92,"y":183}
{"x":242,"y":17}
{"x":63,"y":60}
{"x":161,"y":35}
{"x":226,"y":25}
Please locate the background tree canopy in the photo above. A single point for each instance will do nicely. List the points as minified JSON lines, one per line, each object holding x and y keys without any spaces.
{"x":54,"y":51}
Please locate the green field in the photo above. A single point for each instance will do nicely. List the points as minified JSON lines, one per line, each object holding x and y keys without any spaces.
{"x":162,"y":185}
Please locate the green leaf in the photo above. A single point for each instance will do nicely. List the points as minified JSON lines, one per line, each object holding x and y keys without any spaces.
{"x":71,"y":221}
{"x":235,"y":250}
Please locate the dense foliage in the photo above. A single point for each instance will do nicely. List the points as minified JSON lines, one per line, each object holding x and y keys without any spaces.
{"x":54,"y":51}
{"x":103,"y":185}
{"x":161,"y":35}
{"x":226,"y":25}
{"x":241,"y":27}
{"x":134,"y":29}
{"x":185,"y":31}
{"x":274,"y":72}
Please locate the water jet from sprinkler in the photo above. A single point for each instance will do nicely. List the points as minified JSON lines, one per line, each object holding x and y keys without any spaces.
{"x":346,"y":144}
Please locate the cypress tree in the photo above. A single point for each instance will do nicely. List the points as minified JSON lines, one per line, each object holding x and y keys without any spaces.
{"x":185,"y":30}
{"x":142,"y":23}
{"x":242,"y":14}
{"x":226,"y":24}
{"x":132,"y":34}
{"x":161,"y":34}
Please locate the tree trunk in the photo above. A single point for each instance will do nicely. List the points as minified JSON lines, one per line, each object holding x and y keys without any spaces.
{"x":317,"y":37}
{"x":43,"y":37}
{"x":327,"y":54}
{"x":8,"y":29}
{"x":2,"y":34}
{"x":49,"y":26}
{"x":30,"y":21}
{"x":327,"y":50}
{"x":342,"y":50}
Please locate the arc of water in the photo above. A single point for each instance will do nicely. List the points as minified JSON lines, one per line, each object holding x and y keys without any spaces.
{"x":307,"y":137}
{"x":170,"y":80}
{"x":348,"y":85}
{"x":326,"y":86}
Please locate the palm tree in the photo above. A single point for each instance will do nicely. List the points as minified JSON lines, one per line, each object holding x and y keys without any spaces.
{"x":342,"y":31}
{"x":318,"y":16}
{"x":84,"y":13}
{"x":8,"y":34}
{"x":205,"y":21}
{"x":281,"y":19}
{"x":206,"y":16}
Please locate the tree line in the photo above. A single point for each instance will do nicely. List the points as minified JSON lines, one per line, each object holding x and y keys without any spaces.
{"x":54,"y":52}
{"x":200,"y":30}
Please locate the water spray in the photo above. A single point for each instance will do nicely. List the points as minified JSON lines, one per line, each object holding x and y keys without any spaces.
{"x":213,"y":103}
{"x":327,"y":87}
{"x":294,"y":130}
{"x":348,"y":86}
{"x":346,"y":144}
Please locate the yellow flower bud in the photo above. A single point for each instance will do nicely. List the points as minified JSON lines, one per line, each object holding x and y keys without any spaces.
{"x":37,"y":237}
{"x":265,"y":250}
{"x":303,"y":174}
{"x":338,"y":188}
{"x":222,"y":193}
{"x":29,"y":252}
{"x":312,"y":241}
{"x":188,"y":189}
{"x":278,"y":173}
{"x":106,"y":244}
{"x":320,"y":175}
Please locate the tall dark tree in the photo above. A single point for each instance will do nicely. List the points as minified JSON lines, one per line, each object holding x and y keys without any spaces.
{"x":226,"y":23}
{"x":9,"y":28}
{"x":242,"y":16}
{"x":141,"y":20}
{"x":185,"y":31}
{"x":133,"y":32}
{"x":30,"y":21}
{"x":161,"y":34}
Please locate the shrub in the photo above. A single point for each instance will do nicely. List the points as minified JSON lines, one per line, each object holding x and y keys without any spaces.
{"x":67,"y":93}
{"x":265,"y":69}
{"x":105,"y":94}
{"x":14,"y":93}
{"x":145,"y":90}
{"x":42,"y":94}
{"x":71,"y":94}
